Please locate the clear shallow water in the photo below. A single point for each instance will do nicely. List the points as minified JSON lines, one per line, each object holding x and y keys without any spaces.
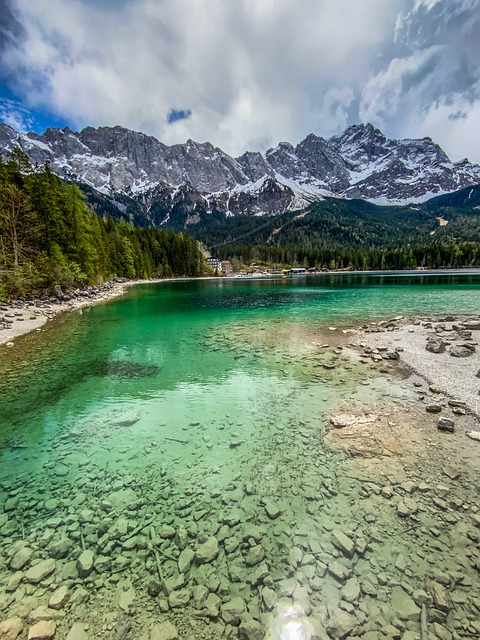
{"x":206,"y":403}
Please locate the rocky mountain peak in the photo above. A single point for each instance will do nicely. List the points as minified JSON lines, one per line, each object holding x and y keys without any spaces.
{"x":362,"y":163}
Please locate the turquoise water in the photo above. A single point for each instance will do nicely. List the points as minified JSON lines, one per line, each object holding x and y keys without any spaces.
{"x":202,"y":406}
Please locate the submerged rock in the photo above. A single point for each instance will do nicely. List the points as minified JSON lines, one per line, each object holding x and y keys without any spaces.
{"x":11,"y":628}
{"x":43,"y":630}
{"x":207,"y":551}
{"x":40,"y":571}
{"x":164,"y":631}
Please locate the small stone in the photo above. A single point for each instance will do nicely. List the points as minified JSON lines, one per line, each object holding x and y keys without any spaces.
{"x":351,"y":590}
{"x":59,"y":597}
{"x":255,"y":555}
{"x":85,"y":564}
{"x":21,"y":558}
{"x":451,"y":472}
{"x":441,"y":599}
{"x":343,"y":543}
{"x":269,"y":598}
{"x":185,"y":560}
{"x":445,"y":424}
{"x":40,"y":571}
{"x":339,"y":571}
{"x":77,"y":632}
{"x":272,"y":510}
{"x":462,"y":351}
{"x":233,"y":610}
{"x":250,"y":629}
{"x":164,"y":631}
{"x":43,"y":630}
{"x":179,"y":598}
{"x":341,"y":624}
{"x":404,"y":606}
{"x":406,"y":507}
{"x":207,"y":552}
{"x":10,"y":629}
{"x":474,"y":435}
{"x":433,"y":408}
{"x":60,"y":549}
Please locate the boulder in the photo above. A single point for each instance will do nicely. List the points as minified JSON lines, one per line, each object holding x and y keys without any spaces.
{"x":255,"y":555}
{"x":250,"y":629}
{"x":435,"y":346}
{"x":185,"y":560}
{"x":404,"y":606}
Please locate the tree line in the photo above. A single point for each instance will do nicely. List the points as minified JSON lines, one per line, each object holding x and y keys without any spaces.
{"x":436,"y":255}
{"x":49,"y":236}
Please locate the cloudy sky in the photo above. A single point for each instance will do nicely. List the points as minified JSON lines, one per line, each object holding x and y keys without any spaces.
{"x":245,"y":74}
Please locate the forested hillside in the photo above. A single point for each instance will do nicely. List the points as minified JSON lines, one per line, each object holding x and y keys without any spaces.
{"x":48,"y":236}
{"x":334,"y":233}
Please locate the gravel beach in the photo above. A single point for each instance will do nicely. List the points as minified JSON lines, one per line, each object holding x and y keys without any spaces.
{"x":443,"y":351}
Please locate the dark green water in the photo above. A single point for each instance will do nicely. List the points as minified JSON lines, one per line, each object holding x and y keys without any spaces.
{"x":185,"y":393}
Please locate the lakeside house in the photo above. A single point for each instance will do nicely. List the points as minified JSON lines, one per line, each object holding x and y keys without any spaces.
{"x":220,"y":266}
{"x":298,"y":271}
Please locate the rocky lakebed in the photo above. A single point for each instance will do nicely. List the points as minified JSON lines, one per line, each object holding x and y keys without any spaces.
{"x":342,"y":505}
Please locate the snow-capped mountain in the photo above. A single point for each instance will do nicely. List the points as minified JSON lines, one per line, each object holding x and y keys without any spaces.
{"x":197,"y":178}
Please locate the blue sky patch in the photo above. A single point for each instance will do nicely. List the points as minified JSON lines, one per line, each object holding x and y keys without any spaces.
{"x":175,"y":115}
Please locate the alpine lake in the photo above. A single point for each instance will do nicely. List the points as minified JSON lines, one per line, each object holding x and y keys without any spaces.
{"x":167,"y":466}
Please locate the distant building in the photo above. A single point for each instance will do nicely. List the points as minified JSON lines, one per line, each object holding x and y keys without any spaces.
{"x":215,"y":263}
{"x":226,"y":267}
{"x":296,"y":272}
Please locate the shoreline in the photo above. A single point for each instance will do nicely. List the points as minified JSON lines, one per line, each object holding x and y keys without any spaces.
{"x":442,"y":350}
{"x":19,"y":317}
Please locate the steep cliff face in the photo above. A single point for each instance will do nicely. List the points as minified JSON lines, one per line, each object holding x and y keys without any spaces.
{"x":193,"y":179}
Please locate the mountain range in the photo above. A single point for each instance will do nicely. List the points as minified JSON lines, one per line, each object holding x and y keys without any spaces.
{"x":135,"y":175}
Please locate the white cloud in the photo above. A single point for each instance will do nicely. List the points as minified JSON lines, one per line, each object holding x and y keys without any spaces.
{"x":252,"y":72}
{"x":248,"y":70}
{"x":15,"y":115}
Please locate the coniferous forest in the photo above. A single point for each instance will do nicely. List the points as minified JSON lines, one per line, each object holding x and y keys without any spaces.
{"x":48,"y":237}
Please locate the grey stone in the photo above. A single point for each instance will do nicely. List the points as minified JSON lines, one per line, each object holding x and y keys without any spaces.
{"x":407,"y":507}
{"x":207,"y":552}
{"x":339,"y":571}
{"x":404,"y":606}
{"x":462,"y":351}
{"x":85,"y":563}
{"x":77,"y":632}
{"x":40,"y":571}
{"x":60,"y":549}
{"x":11,"y":628}
{"x":343,"y":543}
{"x":250,"y":629}
{"x":255,"y":555}
{"x":185,"y":560}
{"x":351,"y":590}
{"x":179,"y":598}
{"x":340,"y":624}
{"x":21,"y":558}
{"x":59,"y":598}
{"x":445,"y":424}
{"x":269,"y":598}
{"x":164,"y":631}
{"x":232,"y":611}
